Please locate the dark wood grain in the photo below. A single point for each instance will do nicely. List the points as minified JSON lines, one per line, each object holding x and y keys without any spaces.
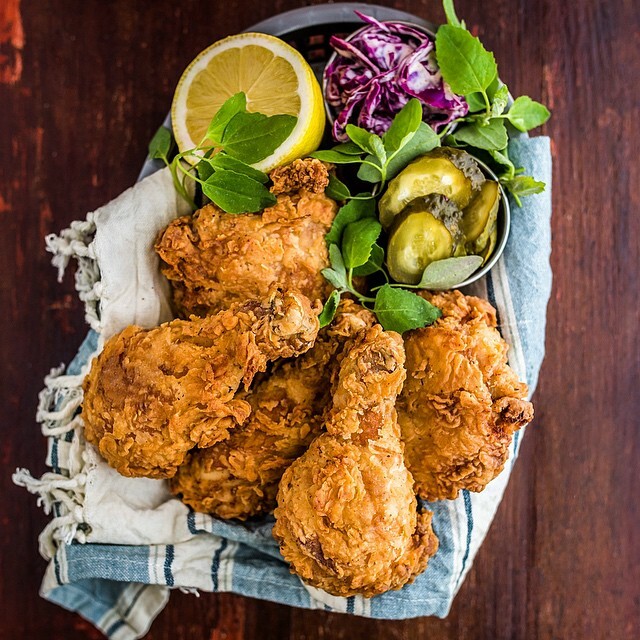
{"x":83,"y":85}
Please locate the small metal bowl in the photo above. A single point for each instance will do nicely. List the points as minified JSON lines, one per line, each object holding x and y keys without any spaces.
{"x":504,"y":224}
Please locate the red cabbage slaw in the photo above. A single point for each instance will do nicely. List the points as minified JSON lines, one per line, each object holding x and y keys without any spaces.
{"x":378,"y":70}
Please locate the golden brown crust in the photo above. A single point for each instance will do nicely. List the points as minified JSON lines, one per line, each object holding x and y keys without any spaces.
{"x":347,"y":518}
{"x":306,"y":173}
{"x":238,"y":477}
{"x":462,"y":402}
{"x":213,"y":258}
{"x":152,"y":395}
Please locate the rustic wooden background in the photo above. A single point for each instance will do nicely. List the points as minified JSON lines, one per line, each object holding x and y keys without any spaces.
{"x":83,"y":85}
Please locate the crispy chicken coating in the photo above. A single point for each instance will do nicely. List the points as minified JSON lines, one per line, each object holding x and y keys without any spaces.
{"x":347,"y":519}
{"x":238,"y":477}
{"x":462,"y":402}
{"x":213,"y":258}
{"x":152,"y":395}
{"x":308,"y":174}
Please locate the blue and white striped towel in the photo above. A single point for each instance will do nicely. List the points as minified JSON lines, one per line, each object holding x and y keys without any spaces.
{"x":113,"y":559}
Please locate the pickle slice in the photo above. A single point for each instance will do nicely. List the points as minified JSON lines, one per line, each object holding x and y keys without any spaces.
{"x":417,"y":239}
{"x":422,"y":177}
{"x":486,"y":251}
{"x":481,"y":214}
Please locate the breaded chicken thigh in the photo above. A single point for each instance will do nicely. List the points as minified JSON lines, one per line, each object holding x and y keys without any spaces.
{"x":213,"y":258}
{"x":238,"y":477}
{"x":461,"y":403}
{"x":347,"y":519}
{"x":152,"y":395}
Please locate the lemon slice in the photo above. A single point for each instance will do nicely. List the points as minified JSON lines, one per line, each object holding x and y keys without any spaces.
{"x":275,"y":78}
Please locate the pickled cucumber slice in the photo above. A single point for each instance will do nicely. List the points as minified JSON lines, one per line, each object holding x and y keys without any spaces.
{"x":416,"y":240}
{"x":422,"y":177}
{"x":481,"y":214}
{"x":486,"y":251}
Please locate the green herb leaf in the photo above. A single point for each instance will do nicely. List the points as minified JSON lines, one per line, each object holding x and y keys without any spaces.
{"x":499,"y":101}
{"x":351,"y":212}
{"x":523,"y":185}
{"x":252,"y":137}
{"x":204,"y":169}
{"x":237,"y":193}
{"x":447,"y":273}
{"x":466,"y":65}
{"x":490,"y":136}
{"x":373,"y":264}
{"x":329,"y":310}
{"x":450,"y":12}
{"x":235,"y":104}
{"x":369,"y":142}
{"x":337,"y":189}
{"x":338,"y":280}
{"x":526,"y":114}
{"x":160,"y":145}
{"x":502,"y":157}
{"x":367,"y":173}
{"x":337,"y":263}
{"x":335,"y":157}
{"x":350,"y":148}
{"x":358,"y":239}
{"x":403,"y":127}
{"x":401,"y":310}
{"x":224,"y":161}
{"x":476,"y":102}
{"x":424,"y":140}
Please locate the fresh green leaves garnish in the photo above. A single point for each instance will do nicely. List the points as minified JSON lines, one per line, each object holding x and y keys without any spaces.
{"x":237,"y":192}
{"x":221,"y":164}
{"x":160,"y":145}
{"x":337,"y":189}
{"x":328,"y":312}
{"x":373,"y":264}
{"x":357,"y":240}
{"x":466,"y":65}
{"x":492,"y":136}
{"x":450,"y":12}
{"x":526,"y":114}
{"x":252,"y":137}
{"x":447,"y":273}
{"x":234,"y":105}
{"x":350,"y":212}
{"x":401,"y":310}
{"x":381,"y":158}
{"x":469,"y":69}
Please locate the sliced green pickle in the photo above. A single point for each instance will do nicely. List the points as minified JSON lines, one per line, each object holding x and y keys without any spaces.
{"x":443,"y":209}
{"x":486,"y":251}
{"x":422,"y":177}
{"x":481,"y":214}
{"x":416,"y":240}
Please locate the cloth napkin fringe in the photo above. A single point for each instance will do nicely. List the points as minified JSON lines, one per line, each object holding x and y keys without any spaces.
{"x":77,"y":242}
{"x":61,"y":491}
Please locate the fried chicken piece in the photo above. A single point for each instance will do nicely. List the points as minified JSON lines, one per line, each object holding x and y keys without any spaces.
{"x":309,"y":174}
{"x":213,"y":258}
{"x":347,"y":519}
{"x":152,"y":395}
{"x":462,"y":402}
{"x":238,"y":477}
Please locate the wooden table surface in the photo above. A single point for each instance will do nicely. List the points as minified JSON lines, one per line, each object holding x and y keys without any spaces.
{"x":83,"y":85}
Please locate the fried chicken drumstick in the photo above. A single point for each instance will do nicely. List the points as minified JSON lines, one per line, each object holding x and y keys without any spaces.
{"x":347,"y":519}
{"x":152,"y":395}
{"x":213,"y":258}
{"x":461,"y":403}
{"x":238,"y":477}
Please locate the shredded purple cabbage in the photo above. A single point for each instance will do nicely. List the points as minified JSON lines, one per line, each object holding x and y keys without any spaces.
{"x":379,"y":70}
